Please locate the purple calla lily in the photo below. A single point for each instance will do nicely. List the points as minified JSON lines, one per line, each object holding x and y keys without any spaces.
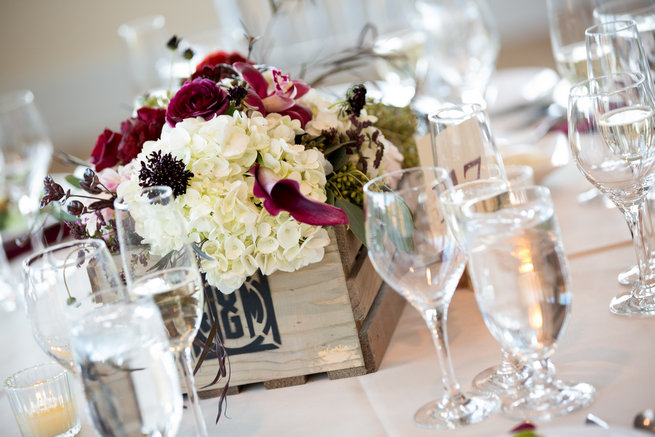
{"x":281,"y":100}
{"x":284,"y":195}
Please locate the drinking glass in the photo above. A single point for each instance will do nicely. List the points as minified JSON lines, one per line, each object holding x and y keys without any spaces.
{"x":464,"y":42}
{"x":567,"y":21}
{"x":521,"y":278}
{"x":509,"y":377}
{"x":411,"y":248}
{"x":158,"y":261}
{"x":462,"y":143}
{"x":58,"y":281}
{"x":616,"y":47}
{"x":611,"y":137}
{"x":127,"y":368}
{"x":27,"y":151}
{"x":641,"y":11}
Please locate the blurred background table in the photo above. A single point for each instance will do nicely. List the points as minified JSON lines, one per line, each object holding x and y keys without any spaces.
{"x":612,"y":353}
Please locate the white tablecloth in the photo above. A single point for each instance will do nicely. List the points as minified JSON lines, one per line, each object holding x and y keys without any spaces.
{"x":614,"y":354}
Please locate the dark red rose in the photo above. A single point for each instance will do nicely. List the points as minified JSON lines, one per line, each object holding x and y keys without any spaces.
{"x":105,"y":153}
{"x":220,"y":57}
{"x":197,"y":98}
{"x":146,"y":126}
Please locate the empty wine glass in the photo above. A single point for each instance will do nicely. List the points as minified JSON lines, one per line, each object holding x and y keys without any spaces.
{"x":411,"y":248}
{"x":462,"y":143}
{"x":521,"y":277}
{"x":158,"y":261}
{"x":27,"y":150}
{"x":463,"y":43}
{"x":127,"y":368}
{"x":611,"y":137}
{"x":58,"y":281}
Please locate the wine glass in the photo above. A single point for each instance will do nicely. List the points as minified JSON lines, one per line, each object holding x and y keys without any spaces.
{"x":27,"y":151}
{"x":158,"y":261}
{"x":462,"y":143}
{"x":58,"y":281}
{"x":615,"y":47}
{"x":521,"y":278}
{"x":611,"y":137}
{"x":463,"y":42}
{"x":411,"y":248}
{"x":567,"y":21}
{"x":127,"y":368}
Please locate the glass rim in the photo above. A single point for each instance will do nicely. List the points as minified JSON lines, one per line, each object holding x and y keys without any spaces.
{"x":439,"y":171}
{"x":448,"y":195}
{"x":121,"y":204}
{"x":130,"y":28}
{"x":9,"y":383}
{"x":469,"y":213}
{"x":640,"y":79}
{"x":87,"y":242}
{"x":15,"y":99}
{"x":622,"y":8}
{"x":612,"y":27}
{"x":466,"y":110}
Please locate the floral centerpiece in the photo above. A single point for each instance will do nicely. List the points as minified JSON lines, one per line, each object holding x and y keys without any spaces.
{"x":259,"y":163}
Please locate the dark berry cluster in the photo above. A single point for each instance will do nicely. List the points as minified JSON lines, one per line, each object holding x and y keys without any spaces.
{"x":165,"y":170}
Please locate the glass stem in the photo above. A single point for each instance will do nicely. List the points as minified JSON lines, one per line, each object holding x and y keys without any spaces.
{"x":508,"y":364}
{"x":635,"y":215}
{"x":436,"y":319}
{"x":184,"y":361}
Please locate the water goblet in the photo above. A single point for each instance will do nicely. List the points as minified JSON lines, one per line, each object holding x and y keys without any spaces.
{"x":58,"y":281}
{"x":158,"y":261}
{"x":611,"y":137}
{"x":412,"y":249}
{"x":521,"y":277}
{"x":507,"y":378}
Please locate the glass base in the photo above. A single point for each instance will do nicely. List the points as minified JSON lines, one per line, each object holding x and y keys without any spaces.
{"x":494,"y":380}
{"x":559,"y":399}
{"x":629,"y":276}
{"x":447,"y":413}
{"x":625,"y":304}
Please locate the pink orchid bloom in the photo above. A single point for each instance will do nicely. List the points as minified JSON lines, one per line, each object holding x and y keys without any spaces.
{"x":281,"y":99}
{"x":284,"y":195}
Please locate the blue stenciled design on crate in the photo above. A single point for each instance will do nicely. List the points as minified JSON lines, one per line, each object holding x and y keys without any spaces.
{"x":246,"y":318}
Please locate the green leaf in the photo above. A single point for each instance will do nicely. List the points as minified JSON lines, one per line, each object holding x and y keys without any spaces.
{"x":338,"y":159}
{"x":355,"y":216}
{"x":73,"y":180}
{"x":398,"y":221}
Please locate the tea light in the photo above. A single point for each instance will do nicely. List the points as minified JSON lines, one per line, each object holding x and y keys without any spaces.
{"x":42,"y":401}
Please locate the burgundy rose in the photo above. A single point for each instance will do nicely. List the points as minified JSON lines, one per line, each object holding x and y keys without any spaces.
{"x":146,"y":126}
{"x":105,"y":153}
{"x":197,"y":98}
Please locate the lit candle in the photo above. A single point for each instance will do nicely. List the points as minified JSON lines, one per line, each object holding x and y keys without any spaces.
{"x":50,"y":416}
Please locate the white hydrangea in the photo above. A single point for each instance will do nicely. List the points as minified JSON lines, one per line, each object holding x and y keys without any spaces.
{"x":220,"y":211}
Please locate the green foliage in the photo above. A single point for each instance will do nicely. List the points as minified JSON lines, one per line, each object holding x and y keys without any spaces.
{"x":398,"y":125}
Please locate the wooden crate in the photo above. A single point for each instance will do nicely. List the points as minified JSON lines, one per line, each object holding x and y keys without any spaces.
{"x":335,"y":316}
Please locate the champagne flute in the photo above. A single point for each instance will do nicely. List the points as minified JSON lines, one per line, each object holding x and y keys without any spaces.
{"x":158,"y":261}
{"x":462,"y":143}
{"x":611,"y":137}
{"x":127,"y":368}
{"x":411,"y":248}
{"x":58,"y":281}
{"x":521,"y":277}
